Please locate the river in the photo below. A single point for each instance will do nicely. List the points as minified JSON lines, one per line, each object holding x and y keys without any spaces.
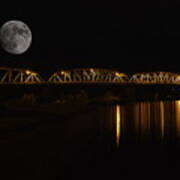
{"x":131,"y":140}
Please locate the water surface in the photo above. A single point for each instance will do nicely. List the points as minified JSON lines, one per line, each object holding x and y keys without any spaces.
{"x":136,"y":140}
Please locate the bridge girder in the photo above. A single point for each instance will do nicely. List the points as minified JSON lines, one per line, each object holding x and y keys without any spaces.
{"x":18,"y":76}
{"x":155,"y":78}
{"x":88,"y":75}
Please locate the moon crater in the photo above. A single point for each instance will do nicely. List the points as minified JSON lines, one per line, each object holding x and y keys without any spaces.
{"x":15,"y":37}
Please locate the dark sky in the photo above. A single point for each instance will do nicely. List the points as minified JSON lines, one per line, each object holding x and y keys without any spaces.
{"x":126,"y":35}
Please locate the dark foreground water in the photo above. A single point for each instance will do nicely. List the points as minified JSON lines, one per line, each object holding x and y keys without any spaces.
{"x":137,"y":140}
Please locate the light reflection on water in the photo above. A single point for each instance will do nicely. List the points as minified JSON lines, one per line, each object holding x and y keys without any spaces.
{"x":177,"y":105}
{"x":158,"y":120}
{"x":118,"y":124}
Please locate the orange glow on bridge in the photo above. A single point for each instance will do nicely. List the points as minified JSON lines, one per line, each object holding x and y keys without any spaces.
{"x":88,"y":75}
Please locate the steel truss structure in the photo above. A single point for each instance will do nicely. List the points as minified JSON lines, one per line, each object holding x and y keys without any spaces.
{"x":87,"y":75}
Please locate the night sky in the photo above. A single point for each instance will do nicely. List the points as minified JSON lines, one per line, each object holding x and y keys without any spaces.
{"x":130,"y":35}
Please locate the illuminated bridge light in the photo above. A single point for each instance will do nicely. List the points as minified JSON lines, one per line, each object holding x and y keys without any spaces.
{"x":178,"y":79}
{"x":28,"y":72}
{"x":91,"y":70}
{"x":117,"y":74}
{"x":62,"y":72}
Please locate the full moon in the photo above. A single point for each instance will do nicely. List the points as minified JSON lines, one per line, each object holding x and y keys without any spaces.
{"x":15,"y":37}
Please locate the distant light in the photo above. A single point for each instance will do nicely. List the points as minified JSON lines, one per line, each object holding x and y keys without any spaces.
{"x":118,"y":74}
{"x":91,"y":70}
{"x":28,"y":72}
{"x":178,"y":78}
{"x":62,"y":72}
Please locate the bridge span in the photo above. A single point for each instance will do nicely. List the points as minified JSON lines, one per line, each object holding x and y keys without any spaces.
{"x":87,"y":76}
